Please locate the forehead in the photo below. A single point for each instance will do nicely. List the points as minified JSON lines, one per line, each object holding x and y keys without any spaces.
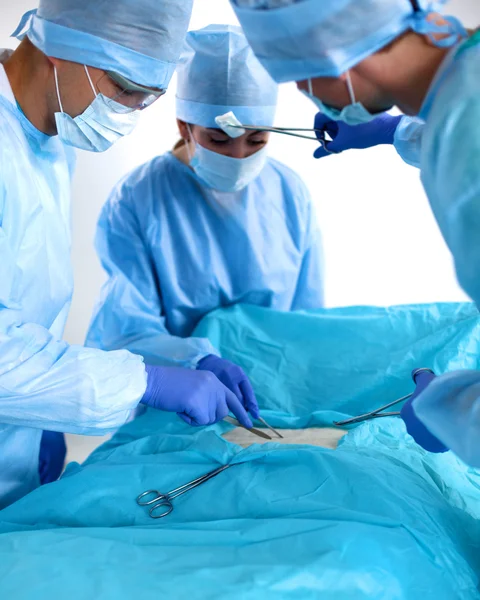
{"x":219,"y":132}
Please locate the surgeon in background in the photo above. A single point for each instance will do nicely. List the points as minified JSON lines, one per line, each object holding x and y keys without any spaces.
{"x":213,"y":223}
{"x":358,"y":58}
{"x":80,"y":78}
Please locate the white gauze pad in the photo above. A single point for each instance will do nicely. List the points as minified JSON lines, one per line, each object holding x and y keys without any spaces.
{"x":230,"y":125}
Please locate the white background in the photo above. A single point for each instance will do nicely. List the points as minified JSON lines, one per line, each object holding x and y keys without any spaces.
{"x":382,"y":244}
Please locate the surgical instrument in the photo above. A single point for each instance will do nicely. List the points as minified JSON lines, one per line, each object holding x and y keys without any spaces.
{"x":258,"y":432}
{"x":229,"y":122}
{"x":286,"y":131}
{"x":417,"y":374}
{"x":270,"y":427}
{"x":164,"y":501}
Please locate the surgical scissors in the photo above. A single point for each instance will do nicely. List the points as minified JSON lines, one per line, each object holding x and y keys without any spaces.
{"x":164,"y":501}
{"x":375,"y":414}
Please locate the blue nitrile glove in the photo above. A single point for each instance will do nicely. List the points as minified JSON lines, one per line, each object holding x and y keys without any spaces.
{"x":414,"y":426}
{"x":347,"y":137}
{"x":52,"y":456}
{"x":232,"y":376}
{"x":198,"y":397}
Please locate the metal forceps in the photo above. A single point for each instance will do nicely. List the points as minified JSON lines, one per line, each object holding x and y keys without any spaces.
{"x":270,"y":427}
{"x":253,"y":430}
{"x":379,"y":412}
{"x":164,"y":503}
{"x":285,"y":131}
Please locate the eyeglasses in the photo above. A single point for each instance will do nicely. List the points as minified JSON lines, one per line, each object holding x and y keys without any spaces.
{"x":128,"y":94}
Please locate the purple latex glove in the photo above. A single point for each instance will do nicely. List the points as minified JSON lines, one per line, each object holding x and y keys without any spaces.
{"x":347,"y":137}
{"x":198,"y":397}
{"x":232,"y":376}
{"x":414,"y":426}
{"x":52,"y":456}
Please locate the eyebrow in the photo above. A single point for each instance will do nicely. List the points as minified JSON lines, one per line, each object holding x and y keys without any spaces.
{"x":214,"y":130}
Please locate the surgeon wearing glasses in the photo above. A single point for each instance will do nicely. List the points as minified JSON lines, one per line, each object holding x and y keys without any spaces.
{"x":80,"y":78}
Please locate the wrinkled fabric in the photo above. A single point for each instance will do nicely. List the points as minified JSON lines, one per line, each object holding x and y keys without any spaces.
{"x":347,"y":361}
{"x":139,"y":39}
{"x":175,"y":250}
{"x":44,"y":382}
{"x":219,"y":73}
{"x":408,"y":140}
{"x":312,"y":38}
{"x":379,"y":518}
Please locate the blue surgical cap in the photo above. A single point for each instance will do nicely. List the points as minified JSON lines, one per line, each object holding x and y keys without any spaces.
{"x":219,"y":73}
{"x":302,"y":39}
{"x":139,"y":39}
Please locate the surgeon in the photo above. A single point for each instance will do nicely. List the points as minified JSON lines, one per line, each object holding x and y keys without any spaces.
{"x":213,"y":223}
{"x":359,"y":58}
{"x":79,"y":79}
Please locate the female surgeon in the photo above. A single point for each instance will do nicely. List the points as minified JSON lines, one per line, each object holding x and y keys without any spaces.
{"x":213,"y":223}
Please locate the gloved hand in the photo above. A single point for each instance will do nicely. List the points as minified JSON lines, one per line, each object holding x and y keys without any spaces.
{"x":52,"y":456}
{"x":414,"y":426}
{"x":346,"y":137}
{"x":198,"y":397}
{"x":234,"y":378}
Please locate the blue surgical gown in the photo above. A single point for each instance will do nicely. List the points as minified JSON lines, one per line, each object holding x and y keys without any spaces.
{"x":44,"y":382}
{"x":174,"y":250}
{"x":450,"y":171}
{"x":408,"y":140}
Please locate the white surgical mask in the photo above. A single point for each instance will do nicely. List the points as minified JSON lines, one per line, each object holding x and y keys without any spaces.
{"x":353,"y":114}
{"x":102,"y":124}
{"x":224,"y":173}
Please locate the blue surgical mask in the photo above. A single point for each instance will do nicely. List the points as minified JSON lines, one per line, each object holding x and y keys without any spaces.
{"x":353,"y":114}
{"x":224,"y":173}
{"x":102,"y":124}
